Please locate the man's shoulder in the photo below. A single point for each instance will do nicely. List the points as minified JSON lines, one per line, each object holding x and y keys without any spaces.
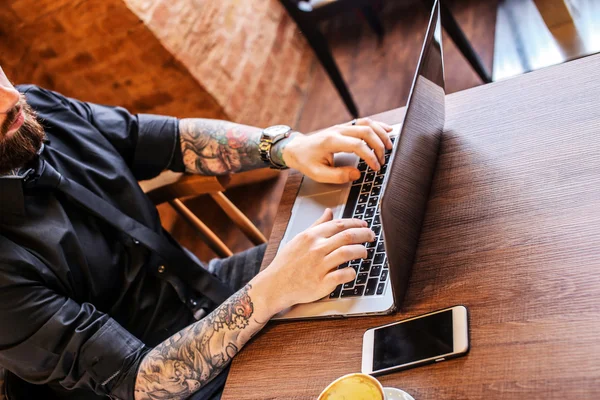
{"x":26,"y":87}
{"x":38,"y":96}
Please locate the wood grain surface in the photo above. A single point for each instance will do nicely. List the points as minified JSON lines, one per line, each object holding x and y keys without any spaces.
{"x":512,"y":231}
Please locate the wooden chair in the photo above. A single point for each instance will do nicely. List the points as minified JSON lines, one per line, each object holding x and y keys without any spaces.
{"x":307,"y":14}
{"x":173,"y":188}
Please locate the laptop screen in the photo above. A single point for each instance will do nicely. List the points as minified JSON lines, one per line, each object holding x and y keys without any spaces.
{"x":413,"y":160}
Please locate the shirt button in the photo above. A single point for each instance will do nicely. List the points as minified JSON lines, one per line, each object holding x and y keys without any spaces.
{"x":136,"y":242}
{"x":161,"y":269}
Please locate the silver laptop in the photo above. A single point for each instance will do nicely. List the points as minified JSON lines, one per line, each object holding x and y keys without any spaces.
{"x":392,"y":200}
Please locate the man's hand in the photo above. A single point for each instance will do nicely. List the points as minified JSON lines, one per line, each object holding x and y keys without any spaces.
{"x":313,"y":154}
{"x":305,"y":270}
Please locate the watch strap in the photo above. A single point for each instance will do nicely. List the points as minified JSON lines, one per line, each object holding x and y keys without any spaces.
{"x":266,"y":146}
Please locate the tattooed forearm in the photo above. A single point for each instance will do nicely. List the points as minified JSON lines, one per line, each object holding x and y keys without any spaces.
{"x":213,"y":147}
{"x":189,"y":359}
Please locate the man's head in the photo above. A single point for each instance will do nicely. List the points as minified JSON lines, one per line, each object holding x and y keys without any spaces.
{"x":21,"y":135}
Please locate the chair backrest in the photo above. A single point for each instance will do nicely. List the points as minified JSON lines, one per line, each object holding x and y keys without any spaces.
{"x":172,"y":188}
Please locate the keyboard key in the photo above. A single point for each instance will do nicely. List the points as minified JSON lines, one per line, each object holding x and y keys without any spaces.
{"x":368,"y":221}
{"x":355,"y":267}
{"x":357,"y":291}
{"x":370,"y":213}
{"x":360,"y":209}
{"x":362,"y":166}
{"x":384,"y":275}
{"x":349,"y":285}
{"x":379,"y":258}
{"x":376,"y":229}
{"x":359,"y":180}
{"x":380,"y":247}
{"x":351,"y":202}
{"x":366,"y":188}
{"x":385,"y":264}
{"x":365,"y":266}
{"x":376,"y":191}
{"x":357,"y":261}
{"x":375,"y":271}
{"x":377,"y":220}
{"x":378,"y":181}
{"x":363,"y":198}
{"x":380,"y":288}
{"x":336,"y":293}
{"x":371,"y":287}
{"x":371,"y":245}
{"x":370,"y":254}
{"x":361,"y":279}
{"x":344,"y":265}
{"x":387,"y":158}
{"x":372,"y":202}
{"x":369,"y":176}
{"x":382,"y":170}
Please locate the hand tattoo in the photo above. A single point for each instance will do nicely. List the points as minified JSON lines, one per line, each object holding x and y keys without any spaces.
{"x":213,"y":147}
{"x":189,"y":359}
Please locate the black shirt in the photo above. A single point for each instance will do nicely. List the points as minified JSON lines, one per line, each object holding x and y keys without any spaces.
{"x":78,"y":308}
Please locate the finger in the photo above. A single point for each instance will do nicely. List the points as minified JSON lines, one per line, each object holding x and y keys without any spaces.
{"x":348,"y":237}
{"x":331,"y":228}
{"x":375,"y":141}
{"x":328,"y":174}
{"x":339,"y":277}
{"x":345,"y":254}
{"x":339,"y":143}
{"x":379,"y":130}
{"x":382,"y":133}
{"x":387,"y":127}
{"x":327,"y":216}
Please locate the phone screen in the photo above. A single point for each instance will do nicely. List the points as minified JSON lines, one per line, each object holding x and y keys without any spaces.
{"x":412,"y":341}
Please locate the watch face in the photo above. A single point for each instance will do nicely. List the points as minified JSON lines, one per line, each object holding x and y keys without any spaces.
{"x":276,"y":130}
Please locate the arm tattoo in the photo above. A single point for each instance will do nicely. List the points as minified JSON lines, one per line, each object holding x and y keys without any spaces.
{"x":214,"y":147}
{"x":192,"y":357}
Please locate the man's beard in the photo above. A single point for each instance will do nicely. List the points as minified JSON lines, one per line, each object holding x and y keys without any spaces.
{"x":21,"y":146}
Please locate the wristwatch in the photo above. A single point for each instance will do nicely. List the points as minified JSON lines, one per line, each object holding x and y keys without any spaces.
{"x":269,"y":137}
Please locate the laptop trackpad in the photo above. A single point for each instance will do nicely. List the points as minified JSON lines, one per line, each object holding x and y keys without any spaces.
{"x":312,"y":207}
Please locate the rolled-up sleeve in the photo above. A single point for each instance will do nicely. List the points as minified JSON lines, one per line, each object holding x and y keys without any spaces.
{"x":46,"y":337}
{"x":147,"y":142}
{"x":157,"y":145}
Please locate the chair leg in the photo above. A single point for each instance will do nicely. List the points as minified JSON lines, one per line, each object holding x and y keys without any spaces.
{"x":317,"y":41}
{"x":463,"y":44}
{"x":319,"y":44}
{"x":211,"y":239}
{"x":374,"y":21}
{"x":238,"y":217}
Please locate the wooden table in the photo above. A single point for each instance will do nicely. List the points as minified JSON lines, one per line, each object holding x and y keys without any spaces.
{"x":512,"y":231}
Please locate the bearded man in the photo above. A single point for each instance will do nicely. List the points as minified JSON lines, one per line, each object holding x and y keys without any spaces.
{"x":89,"y":307}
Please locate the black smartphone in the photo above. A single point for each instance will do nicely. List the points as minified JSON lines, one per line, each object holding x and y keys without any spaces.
{"x":416,"y":341}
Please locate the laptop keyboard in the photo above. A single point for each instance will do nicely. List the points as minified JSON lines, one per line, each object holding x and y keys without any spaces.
{"x":372,"y":272}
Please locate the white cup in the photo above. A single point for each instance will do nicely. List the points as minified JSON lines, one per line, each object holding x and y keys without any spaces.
{"x":361,"y":387}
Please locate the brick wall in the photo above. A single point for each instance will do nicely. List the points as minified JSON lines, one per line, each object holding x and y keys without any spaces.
{"x":247,"y":53}
{"x":97,"y":50}
{"x":241,"y":60}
